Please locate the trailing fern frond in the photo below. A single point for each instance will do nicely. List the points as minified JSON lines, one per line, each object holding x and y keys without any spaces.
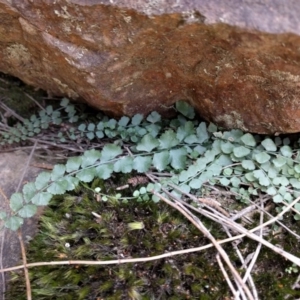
{"x":184,"y":151}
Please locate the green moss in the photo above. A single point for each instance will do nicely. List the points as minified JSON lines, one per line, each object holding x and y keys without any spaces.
{"x":69,"y":231}
{"x":69,"y":220}
{"x":12,"y":90}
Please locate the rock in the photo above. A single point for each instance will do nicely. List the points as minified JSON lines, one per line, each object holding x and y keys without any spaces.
{"x":12,"y":166}
{"x":122,"y":61}
{"x":274,"y":16}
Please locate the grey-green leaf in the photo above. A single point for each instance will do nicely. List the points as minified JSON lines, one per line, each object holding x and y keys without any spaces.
{"x":183,"y":176}
{"x":29,"y":190}
{"x":250,"y":176}
{"x":262,"y":178}
{"x":110,"y":151}
{"x":202,"y":133}
{"x":191,"y":139}
{"x":124,"y":121}
{"x":153,"y":129}
{"x":90,"y":157}
{"x":90,"y":135}
{"x":277,"y":198}
{"x":215,"y":169}
{"x":264,"y":181}
{"x":58,"y":187}
{"x":42,"y":198}
{"x":185,"y":109}
{"x":14,"y":223}
{"x":154,"y":117}
{"x":224,"y":181}
{"x":212,"y":128}
{"x":168,"y":140}
{"x":42,"y":180}
{"x":82,"y":127}
{"x":295,"y":183}
{"x":64,"y":102}
{"x":142,"y":163}
{"x":283,"y":181}
{"x":71,"y":182}
{"x":178,"y":158}
{"x":104,"y":171}
{"x":271,"y":191}
{"x":279,"y":161}
{"x":196,"y":183}
{"x":161,"y":160}
{"x":91,"y":127}
{"x":73,"y":164}
{"x":235,"y":181}
{"x":258,"y":173}
{"x":99,"y":134}
{"x":148,"y":143}
{"x":86,"y":175}
{"x":137,"y":119}
{"x":16,"y":201}
{"x":286,"y":151}
{"x":227,"y":172}
{"x":269,"y":145}
{"x":226,"y":147}
{"x":297,"y":168}
{"x":241,"y":151}
{"x":248,"y":164}
{"x":185,"y":130}
{"x":223,"y":160}
{"x":27,"y":211}
{"x":248,"y":140}
{"x":194,"y":169}
{"x":58,"y":171}
{"x":3,"y":215}
{"x":262,"y":157}
{"x":111,"y":124}
{"x":123,"y":165}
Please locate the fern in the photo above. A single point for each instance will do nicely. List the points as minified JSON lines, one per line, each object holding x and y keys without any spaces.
{"x":185,"y":151}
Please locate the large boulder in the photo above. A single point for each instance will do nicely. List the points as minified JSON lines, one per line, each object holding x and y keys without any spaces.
{"x":127,"y":61}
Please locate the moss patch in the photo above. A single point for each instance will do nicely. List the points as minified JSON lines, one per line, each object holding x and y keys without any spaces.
{"x":69,"y":231}
{"x":69,"y":222}
{"x":12,"y":93}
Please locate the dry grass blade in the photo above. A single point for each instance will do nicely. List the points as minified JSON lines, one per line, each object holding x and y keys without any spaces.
{"x":247,"y":275}
{"x":11,"y":112}
{"x":250,"y":233}
{"x":35,"y":101}
{"x":256,"y":206}
{"x":240,"y":256}
{"x":27,"y":166}
{"x":119,"y":261}
{"x":225,"y":274}
{"x":26,"y":273}
{"x":23,"y":252}
{"x":194,"y":220}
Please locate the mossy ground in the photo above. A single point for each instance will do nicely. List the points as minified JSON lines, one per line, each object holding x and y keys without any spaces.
{"x":69,"y":221}
{"x":12,"y":94}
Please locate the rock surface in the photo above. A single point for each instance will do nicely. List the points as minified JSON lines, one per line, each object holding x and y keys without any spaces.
{"x":273,"y":16}
{"x":12,"y":166}
{"x":123,"y":61}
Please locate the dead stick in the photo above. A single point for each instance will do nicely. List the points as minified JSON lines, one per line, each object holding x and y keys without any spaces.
{"x":27,"y":280}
